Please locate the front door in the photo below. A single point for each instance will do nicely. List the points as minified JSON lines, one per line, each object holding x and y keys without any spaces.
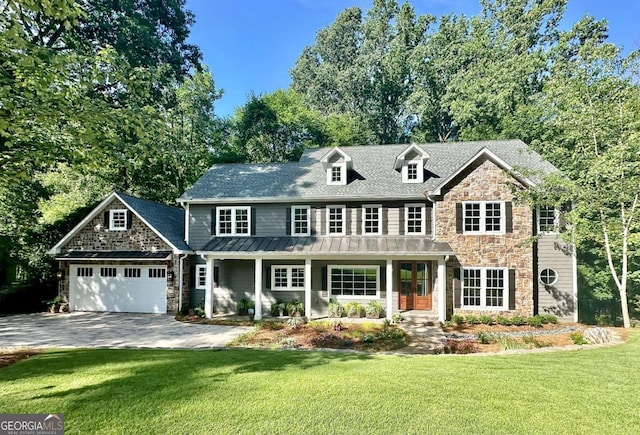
{"x":415,"y":286}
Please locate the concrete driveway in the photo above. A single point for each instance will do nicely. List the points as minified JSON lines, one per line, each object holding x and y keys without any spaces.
{"x":117,"y":330}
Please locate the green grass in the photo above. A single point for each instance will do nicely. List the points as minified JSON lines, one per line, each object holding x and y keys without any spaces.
{"x":246,"y":391}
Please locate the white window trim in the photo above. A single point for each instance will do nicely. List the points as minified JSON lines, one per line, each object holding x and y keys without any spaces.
{"x":289,"y":268}
{"x":556,"y":222}
{"x":112,"y":227}
{"x":379,"y":207}
{"x":293,"y":220}
{"x":343,"y":174}
{"x":483,"y":217}
{"x":405,"y":171}
{"x":344,"y":220}
{"x":234,"y":232}
{"x":483,"y":290}
{"x":353,"y":266}
{"x":199,"y":269}
{"x":423,"y":218}
{"x":555,"y":281}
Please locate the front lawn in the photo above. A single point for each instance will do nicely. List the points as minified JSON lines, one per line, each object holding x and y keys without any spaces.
{"x":252,"y":391}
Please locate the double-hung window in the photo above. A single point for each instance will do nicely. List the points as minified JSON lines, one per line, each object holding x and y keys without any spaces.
{"x":201,"y":276}
{"x":548,"y":220}
{"x":372,"y":219}
{"x":484,"y":289}
{"x":336,"y":220}
{"x":414,"y":219}
{"x":354,"y":281}
{"x":117,"y":220}
{"x":300,"y":221}
{"x":287,"y":277}
{"x":484,"y":217}
{"x":233,"y":221}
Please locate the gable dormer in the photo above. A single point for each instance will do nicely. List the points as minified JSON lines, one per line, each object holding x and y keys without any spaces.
{"x":411,"y":163}
{"x":337,"y":163}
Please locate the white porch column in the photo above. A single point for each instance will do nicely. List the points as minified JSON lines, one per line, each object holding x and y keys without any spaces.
{"x":389,"y":289}
{"x":258,"y":289}
{"x":208,"y":290}
{"x":442,"y":290}
{"x":307,"y":287}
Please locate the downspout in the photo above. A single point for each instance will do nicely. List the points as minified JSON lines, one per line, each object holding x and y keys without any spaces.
{"x":181,"y":260}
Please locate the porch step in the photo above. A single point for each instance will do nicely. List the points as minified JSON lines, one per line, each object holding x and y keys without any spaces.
{"x":416,"y":317}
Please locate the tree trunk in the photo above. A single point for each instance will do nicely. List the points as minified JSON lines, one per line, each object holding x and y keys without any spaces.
{"x":625,"y":308}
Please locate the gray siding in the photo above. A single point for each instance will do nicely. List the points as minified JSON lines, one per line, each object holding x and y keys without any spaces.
{"x":553,"y":253}
{"x":271,"y":220}
{"x":199,"y":225}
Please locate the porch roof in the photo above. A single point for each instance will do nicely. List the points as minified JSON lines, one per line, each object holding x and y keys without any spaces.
{"x":382,"y":246}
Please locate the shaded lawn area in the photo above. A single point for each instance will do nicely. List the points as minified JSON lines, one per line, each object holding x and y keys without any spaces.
{"x":252,"y":391}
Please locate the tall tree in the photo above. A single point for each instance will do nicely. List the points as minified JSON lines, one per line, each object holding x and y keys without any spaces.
{"x":362,"y":67}
{"x":591,"y":107}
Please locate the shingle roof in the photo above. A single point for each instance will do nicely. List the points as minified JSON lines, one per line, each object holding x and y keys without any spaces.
{"x":373,"y":174}
{"x":165,"y":219}
{"x":327,"y":246}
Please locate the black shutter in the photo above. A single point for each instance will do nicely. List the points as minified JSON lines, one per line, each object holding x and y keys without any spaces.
{"x":383,"y":278}
{"x":105,"y":217}
{"x":457,"y":287}
{"x":312,"y":221}
{"x":347,"y":220}
{"x":216,"y":275}
{"x":253,"y":221}
{"x":287,"y":220}
{"x":384,"y":220}
{"x":323,"y":276}
{"x":459,"y":218}
{"x":213,"y":221}
{"x":428,"y":211}
{"x":129,"y":219}
{"x":192,"y":277}
{"x":512,"y":289}
{"x":508,"y":211}
{"x":266,"y":277}
{"x":402,"y":211}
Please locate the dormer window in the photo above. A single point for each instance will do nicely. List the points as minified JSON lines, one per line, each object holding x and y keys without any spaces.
{"x":411,"y":164}
{"x":337,"y":164}
{"x":336,"y":175}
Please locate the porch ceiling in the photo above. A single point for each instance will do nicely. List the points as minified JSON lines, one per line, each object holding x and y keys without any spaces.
{"x":396,"y":246}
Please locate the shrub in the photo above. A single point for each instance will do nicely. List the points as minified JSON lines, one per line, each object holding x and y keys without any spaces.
{"x":485,"y":337}
{"x":457,"y":319}
{"x":336,"y":309}
{"x":278,"y":307}
{"x":296,"y":322}
{"x":199,"y":311}
{"x":578,"y":338}
{"x":510,"y":343}
{"x":295,"y":308}
{"x":472,"y":320}
{"x":373,"y":309}
{"x":518,"y":320}
{"x":448,"y":324}
{"x":397,"y":318}
{"x":289,"y":343}
{"x":368,"y":338}
{"x":548,"y":318}
{"x":532,"y":341}
{"x":354,"y":309}
{"x":459,"y":346}
{"x":501,"y":320}
{"x":486,"y":319}
{"x":324,"y":340}
{"x":534,"y":321}
{"x":337,"y":325}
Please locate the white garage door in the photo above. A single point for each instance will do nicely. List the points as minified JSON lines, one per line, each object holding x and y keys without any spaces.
{"x":127,"y":289}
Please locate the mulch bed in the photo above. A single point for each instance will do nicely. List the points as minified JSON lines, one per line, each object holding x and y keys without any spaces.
{"x":12,"y":356}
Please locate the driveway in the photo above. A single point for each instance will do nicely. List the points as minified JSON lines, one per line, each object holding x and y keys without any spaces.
{"x":115,"y":330}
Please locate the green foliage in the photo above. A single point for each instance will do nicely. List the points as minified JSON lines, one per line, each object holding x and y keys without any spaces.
{"x":336,"y":309}
{"x":518,"y":321}
{"x":504,"y":321}
{"x":295,"y":308}
{"x":472,"y":319}
{"x":485,"y":337}
{"x":459,"y":346}
{"x":510,"y":343}
{"x":578,"y":338}
{"x":374,"y":309}
{"x":548,"y":318}
{"x":535,"y":321}
{"x":530,"y":340}
{"x":354,"y":309}
{"x":199,"y":311}
{"x":486,"y":319}
{"x":457,"y":319}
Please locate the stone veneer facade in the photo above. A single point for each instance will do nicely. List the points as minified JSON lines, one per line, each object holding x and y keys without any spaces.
{"x":485,"y":181}
{"x":96,"y":236}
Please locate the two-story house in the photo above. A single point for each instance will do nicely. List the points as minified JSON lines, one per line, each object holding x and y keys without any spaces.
{"x":429,"y":227}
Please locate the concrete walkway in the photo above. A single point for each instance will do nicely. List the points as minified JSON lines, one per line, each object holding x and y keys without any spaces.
{"x":116,"y":330}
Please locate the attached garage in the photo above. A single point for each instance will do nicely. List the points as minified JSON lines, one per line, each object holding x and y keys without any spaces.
{"x":131,"y":288}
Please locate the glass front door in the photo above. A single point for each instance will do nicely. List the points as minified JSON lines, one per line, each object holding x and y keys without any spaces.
{"x":415,"y":286}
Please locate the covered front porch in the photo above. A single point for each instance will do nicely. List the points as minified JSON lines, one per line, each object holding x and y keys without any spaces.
{"x":399,"y":278}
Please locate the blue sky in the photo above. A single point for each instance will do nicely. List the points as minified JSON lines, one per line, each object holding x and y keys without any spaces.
{"x":250,"y":45}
